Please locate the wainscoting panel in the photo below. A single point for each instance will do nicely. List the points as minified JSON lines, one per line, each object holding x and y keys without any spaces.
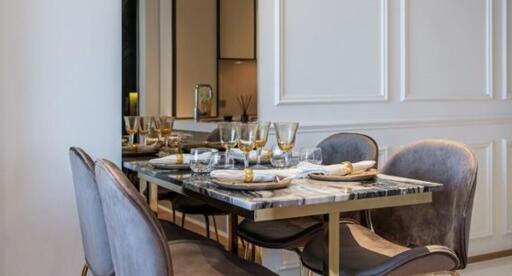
{"x":335,"y":31}
{"x":447,"y":49}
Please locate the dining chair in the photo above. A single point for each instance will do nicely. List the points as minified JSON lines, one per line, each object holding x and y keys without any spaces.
{"x":90,"y":215}
{"x":138,"y":243}
{"x":426,"y":238}
{"x":292,"y":234}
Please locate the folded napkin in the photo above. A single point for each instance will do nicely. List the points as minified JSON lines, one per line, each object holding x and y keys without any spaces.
{"x":306,"y":168}
{"x":241,"y":175}
{"x":253,"y":155}
{"x":175,"y":159}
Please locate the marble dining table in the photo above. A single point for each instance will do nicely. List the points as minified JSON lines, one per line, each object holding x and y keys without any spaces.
{"x":303,"y":197}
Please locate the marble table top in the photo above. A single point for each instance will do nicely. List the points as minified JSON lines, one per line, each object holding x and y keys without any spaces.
{"x":300,"y":191}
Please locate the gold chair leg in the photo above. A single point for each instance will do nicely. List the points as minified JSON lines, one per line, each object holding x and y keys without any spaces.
{"x":85,"y":269}
{"x":183,"y":220}
{"x":216,"y":229}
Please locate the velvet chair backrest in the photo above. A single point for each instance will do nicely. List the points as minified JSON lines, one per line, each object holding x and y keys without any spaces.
{"x":351,"y":147}
{"x":137,"y":241}
{"x":90,"y":214}
{"x":447,"y":219}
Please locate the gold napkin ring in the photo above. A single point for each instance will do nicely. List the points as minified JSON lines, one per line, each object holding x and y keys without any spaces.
{"x":349,"y":166}
{"x":248,"y":175}
{"x":179,"y":158}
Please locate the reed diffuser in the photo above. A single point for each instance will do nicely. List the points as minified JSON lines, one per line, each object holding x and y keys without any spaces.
{"x":244,"y":102}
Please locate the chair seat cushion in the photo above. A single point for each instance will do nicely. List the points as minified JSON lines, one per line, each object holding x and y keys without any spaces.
{"x":288,"y":233}
{"x":362,"y":252}
{"x":197,"y":258}
{"x":189,"y":205}
{"x":173,"y":232}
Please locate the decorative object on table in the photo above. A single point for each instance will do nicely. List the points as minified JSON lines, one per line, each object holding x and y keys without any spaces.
{"x":311,"y":155}
{"x":139,"y":150}
{"x":144,"y":128}
{"x":249,"y":179}
{"x":131,"y":124}
{"x":172,"y":162}
{"x":244,"y":102}
{"x":228,"y":134}
{"x":261,"y":141}
{"x":247,"y":139}
{"x":346,"y":171}
{"x":285,"y":134}
{"x":202,"y":159}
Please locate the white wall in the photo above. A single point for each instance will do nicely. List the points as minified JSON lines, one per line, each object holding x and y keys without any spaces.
{"x":60,"y":80}
{"x":398,"y":70}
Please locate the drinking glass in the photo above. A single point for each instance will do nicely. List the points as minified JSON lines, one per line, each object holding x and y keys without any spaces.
{"x":131,"y":123}
{"x":144,"y":127}
{"x":228,"y":138}
{"x":202,"y":159}
{"x":222,"y":160}
{"x":277,"y":157}
{"x":247,"y":139}
{"x":285,"y":134}
{"x":261,"y":141}
{"x":311,"y":155}
{"x":166,"y":126}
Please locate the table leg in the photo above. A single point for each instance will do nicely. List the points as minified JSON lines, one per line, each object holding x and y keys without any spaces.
{"x":153,"y":197}
{"x":143,"y":185}
{"x":331,"y":265}
{"x":232,"y":233}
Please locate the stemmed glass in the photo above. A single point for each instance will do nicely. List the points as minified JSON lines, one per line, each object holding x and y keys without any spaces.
{"x":261,"y":141}
{"x":163,"y":126}
{"x":144,"y":127}
{"x":131,"y":124}
{"x":228,"y":138}
{"x":285,"y":134}
{"x":247,"y":139}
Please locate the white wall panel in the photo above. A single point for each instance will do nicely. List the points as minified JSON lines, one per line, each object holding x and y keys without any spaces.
{"x":507,"y":184}
{"x":446,"y":49}
{"x":508,"y":39}
{"x":326,"y":62}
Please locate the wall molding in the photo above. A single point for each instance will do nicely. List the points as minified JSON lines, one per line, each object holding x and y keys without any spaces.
{"x":489,"y":222}
{"x":506,"y":40}
{"x":280,"y":97}
{"x":331,"y":126}
{"x":506,"y":153}
{"x":405,"y":94}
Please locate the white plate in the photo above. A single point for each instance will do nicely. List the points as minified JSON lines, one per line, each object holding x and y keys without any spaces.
{"x":367,"y":175}
{"x":255,"y":186}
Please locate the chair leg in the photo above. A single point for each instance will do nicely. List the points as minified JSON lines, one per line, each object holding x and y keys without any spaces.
{"x":207,"y":222}
{"x":173,"y":215}
{"x":216,"y":229}
{"x":85,"y":269}
{"x":183,"y":220}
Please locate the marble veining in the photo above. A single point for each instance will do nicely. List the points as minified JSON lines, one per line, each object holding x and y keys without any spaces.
{"x":300,"y":191}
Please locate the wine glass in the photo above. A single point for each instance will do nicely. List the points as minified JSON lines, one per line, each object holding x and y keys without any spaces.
{"x":144,"y":127}
{"x":261,"y":141}
{"x":166,"y":127}
{"x":228,"y":138}
{"x":285,"y":134}
{"x":247,"y":139}
{"x":131,"y":123}
{"x":311,"y":155}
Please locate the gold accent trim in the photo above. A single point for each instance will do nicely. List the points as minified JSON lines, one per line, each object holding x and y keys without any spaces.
{"x":334,"y":244}
{"x":85,"y":269}
{"x":179,"y":158}
{"x":490,"y":256}
{"x":341,"y":206}
{"x":249,"y":175}
{"x":349,"y":166}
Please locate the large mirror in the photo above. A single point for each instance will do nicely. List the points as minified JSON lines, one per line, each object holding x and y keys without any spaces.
{"x":196,"y":58}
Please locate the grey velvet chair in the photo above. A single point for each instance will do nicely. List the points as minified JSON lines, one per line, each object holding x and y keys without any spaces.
{"x":414,"y":239}
{"x":293,"y":233}
{"x":90,"y":214}
{"x":138,"y":243}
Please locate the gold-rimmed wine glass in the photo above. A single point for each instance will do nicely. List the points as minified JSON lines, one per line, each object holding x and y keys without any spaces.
{"x":144,"y":128}
{"x":228,"y":138}
{"x":131,"y":124}
{"x":285,"y":134}
{"x":247,"y":139}
{"x":165,"y":126}
{"x":261,"y":141}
